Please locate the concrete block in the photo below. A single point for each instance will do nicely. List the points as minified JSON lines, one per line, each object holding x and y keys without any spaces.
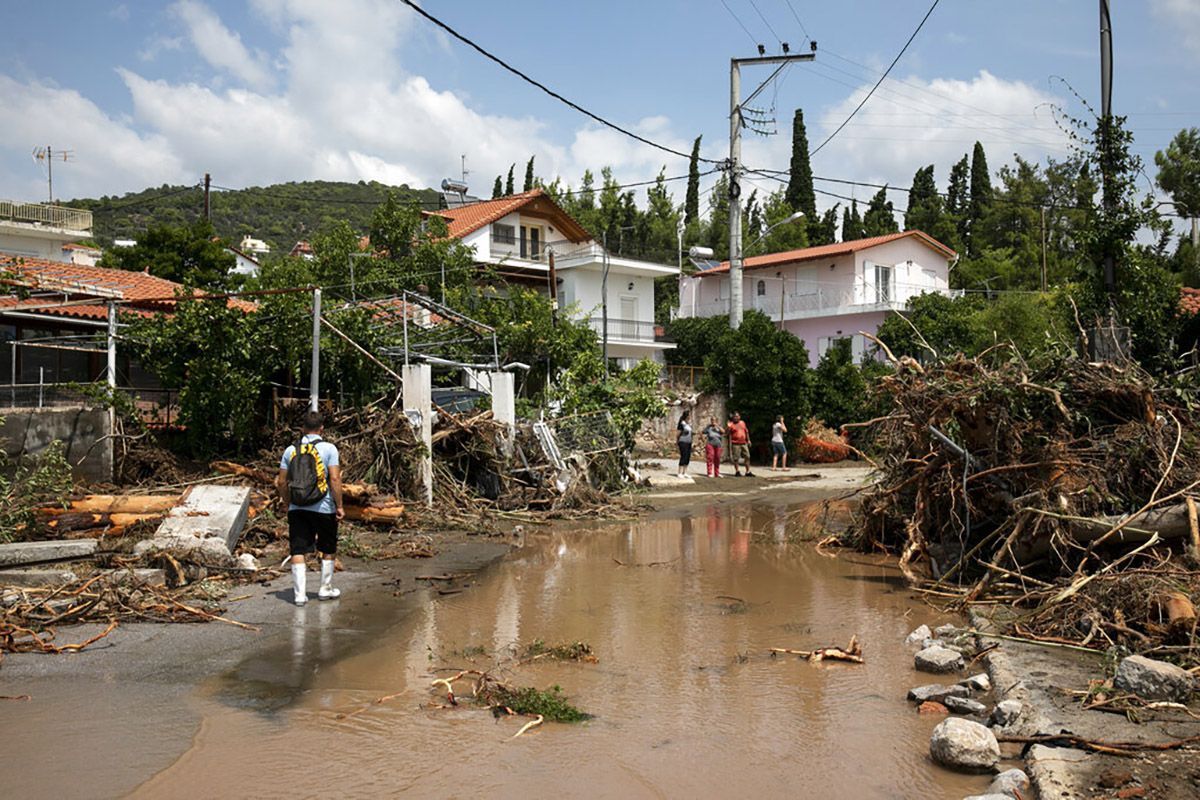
{"x":18,"y":553}
{"x":418,"y":398}
{"x":208,"y":519}
{"x":52,"y":577}
{"x":26,"y":432}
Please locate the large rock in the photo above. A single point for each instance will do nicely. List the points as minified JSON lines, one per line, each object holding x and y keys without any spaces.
{"x":977,"y":683}
{"x":1154,"y":680}
{"x":938,"y":659}
{"x":964,"y":745}
{"x":1011,"y":783}
{"x":917,"y":638}
{"x":936,"y":692}
{"x":965,"y":705}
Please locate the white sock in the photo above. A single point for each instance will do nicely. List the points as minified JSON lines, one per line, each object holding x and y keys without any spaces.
{"x":326,"y":573}
{"x":299,"y":581}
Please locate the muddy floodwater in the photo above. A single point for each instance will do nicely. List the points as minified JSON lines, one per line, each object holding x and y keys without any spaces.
{"x":681,"y":612}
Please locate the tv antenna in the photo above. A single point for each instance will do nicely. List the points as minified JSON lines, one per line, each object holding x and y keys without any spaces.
{"x":465,"y":171}
{"x":48,"y":155}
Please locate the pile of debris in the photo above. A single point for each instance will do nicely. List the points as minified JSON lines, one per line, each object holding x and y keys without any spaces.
{"x":1039,"y":484}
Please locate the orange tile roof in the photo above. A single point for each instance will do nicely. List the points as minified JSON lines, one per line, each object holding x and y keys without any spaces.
{"x":1189,"y":301}
{"x":830,"y":250}
{"x":470,"y":218}
{"x":137,"y":290}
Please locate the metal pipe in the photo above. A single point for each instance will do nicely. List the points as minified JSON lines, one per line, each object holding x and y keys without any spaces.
{"x":314,"y":381}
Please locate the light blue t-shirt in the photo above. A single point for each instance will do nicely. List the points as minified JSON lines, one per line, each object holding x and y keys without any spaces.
{"x":329,"y":457}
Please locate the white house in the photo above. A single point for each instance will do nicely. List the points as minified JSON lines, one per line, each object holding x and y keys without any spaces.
{"x":517,"y":235}
{"x":38,"y":230}
{"x":254,"y":246}
{"x":835,"y":291}
{"x":244,"y":264}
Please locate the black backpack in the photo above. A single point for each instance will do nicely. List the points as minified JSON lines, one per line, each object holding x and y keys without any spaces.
{"x":307,"y":481}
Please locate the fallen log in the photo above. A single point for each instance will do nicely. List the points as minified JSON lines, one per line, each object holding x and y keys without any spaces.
{"x":387,"y":514}
{"x":114,"y":504}
{"x":1168,"y":523}
{"x":75,"y":521}
{"x":852,"y":653}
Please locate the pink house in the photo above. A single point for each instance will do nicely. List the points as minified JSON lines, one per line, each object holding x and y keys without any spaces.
{"x":835,"y":291}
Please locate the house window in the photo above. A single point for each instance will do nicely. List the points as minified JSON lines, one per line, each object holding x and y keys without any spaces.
{"x":762,"y":289}
{"x":883,"y":283}
{"x":504,"y":234}
{"x":531,"y":242}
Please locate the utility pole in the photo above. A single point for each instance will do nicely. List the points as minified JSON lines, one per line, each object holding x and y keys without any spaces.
{"x":553,"y":279}
{"x":207,"y":203}
{"x":1043,"y":249}
{"x":735,"y":162}
{"x":111,"y":367}
{"x":604,"y":307}
{"x":314,"y":381}
{"x":1109,"y":199}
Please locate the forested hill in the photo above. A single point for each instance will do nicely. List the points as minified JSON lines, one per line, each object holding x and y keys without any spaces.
{"x":279,"y":214}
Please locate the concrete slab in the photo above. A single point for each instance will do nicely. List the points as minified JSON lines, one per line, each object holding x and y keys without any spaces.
{"x":208,"y":518}
{"x":49,"y":577}
{"x":17,"y":553}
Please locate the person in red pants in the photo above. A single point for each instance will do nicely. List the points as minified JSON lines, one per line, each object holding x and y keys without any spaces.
{"x":713,"y":437}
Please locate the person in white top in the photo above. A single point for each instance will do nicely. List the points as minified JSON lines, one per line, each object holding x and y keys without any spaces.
{"x":778,"y":445}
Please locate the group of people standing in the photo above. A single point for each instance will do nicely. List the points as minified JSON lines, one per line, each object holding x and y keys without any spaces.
{"x":739,"y":444}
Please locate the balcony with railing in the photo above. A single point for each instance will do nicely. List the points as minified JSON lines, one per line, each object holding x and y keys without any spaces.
{"x":819,"y":299}
{"x":44,"y":215}
{"x":630,"y":330}
{"x":524,"y":248}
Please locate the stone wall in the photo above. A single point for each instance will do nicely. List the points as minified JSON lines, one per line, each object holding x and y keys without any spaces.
{"x":657,"y":436}
{"x":26,"y":432}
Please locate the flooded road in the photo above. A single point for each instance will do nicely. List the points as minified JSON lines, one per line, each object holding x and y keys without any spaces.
{"x":686,"y":700}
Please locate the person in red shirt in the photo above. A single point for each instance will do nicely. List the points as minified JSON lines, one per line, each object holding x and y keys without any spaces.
{"x":739,"y":444}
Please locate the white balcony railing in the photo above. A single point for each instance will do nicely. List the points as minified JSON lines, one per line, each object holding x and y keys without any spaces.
{"x":816,"y":299}
{"x":72,"y":219}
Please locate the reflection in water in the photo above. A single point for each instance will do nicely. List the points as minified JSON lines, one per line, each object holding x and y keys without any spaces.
{"x":686,"y":700}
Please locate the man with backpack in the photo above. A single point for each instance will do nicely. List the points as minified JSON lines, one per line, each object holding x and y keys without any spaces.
{"x":310,"y":478}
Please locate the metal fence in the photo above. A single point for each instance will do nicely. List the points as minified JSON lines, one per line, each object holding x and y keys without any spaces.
{"x":630,"y":330}
{"x":684,"y":376}
{"x":155,"y":406}
{"x":594,"y":432}
{"x":73,"y":219}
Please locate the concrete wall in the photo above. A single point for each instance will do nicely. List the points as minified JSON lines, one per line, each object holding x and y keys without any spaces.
{"x":27,"y":432}
{"x":657,"y":436}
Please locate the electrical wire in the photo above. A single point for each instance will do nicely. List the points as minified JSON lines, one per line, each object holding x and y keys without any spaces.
{"x":803,"y":29}
{"x":539,"y":85}
{"x":904,"y":49}
{"x":764,"y":19}
{"x":741,"y":24}
{"x":151,"y":199}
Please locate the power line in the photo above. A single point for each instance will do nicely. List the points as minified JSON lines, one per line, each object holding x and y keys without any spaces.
{"x":741,"y":24}
{"x":137,"y":201}
{"x":803,"y":29}
{"x":846,"y":121}
{"x":764,"y":19}
{"x":533,"y":82}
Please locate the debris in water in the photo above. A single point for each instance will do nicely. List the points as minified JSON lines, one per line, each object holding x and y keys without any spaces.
{"x":574,"y":651}
{"x":851,"y":653}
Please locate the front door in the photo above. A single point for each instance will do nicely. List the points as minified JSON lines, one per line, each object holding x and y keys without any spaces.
{"x":628,"y":324}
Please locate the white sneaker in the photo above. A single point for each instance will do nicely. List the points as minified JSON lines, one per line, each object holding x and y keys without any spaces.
{"x":328,"y":593}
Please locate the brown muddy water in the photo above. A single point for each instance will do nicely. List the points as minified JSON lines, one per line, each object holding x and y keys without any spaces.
{"x":687,"y":702}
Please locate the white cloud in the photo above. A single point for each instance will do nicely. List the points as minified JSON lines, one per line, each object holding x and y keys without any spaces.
{"x":909,"y":124}
{"x":219,"y":46}
{"x":1183,"y":16}
{"x":160,"y":44}
{"x":119,"y":12}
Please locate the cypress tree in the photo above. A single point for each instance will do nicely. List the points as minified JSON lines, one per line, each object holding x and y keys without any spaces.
{"x":924,"y":203}
{"x":529,"y":175}
{"x":852,"y":224}
{"x":691,"y":206}
{"x":957,"y":195}
{"x":800,"y":194}
{"x":498,"y":188}
{"x":880,"y":218}
{"x":981,"y":196}
{"x":508,"y":186}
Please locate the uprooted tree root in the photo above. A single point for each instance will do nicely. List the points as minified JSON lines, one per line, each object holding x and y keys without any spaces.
{"x":1064,"y":488}
{"x":851,"y":653}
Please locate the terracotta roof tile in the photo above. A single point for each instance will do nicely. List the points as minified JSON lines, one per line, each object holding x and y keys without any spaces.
{"x":470,"y":218}
{"x":828,"y":251}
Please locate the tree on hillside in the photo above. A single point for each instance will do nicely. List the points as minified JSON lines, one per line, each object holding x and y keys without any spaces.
{"x":187,"y":254}
{"x":529,"y":178}
{"x":852,"y":223}
{"x":1179,"y":176}
{"x":508,"y":185}
{"x":498,"y":188}
{"x":691,"y":205}
{"x":981,"y":193}
{"x":879,"y":218}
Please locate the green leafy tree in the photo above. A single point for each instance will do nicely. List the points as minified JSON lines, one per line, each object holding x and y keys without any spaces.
{"x":631,"y":396}
{"x":1179,"y":176}
{"x":768,"y":369}
{"x":783,"y":237}
{"x":839,"y":387}
{"x":825,"y":231}
{"x":717,"y":233}
{"x":509,"y":189}
{"x":800,"y":195}
{"x":948,"y":325}
{"x":29,"y":484}
{"x":694,"y":338}
{"x":187,"y":254}
{"x":691,"y":206}
{"x":530,"y":180}
{"x":980,"y":195}
{"x":852,"y":223}
{"x":958,"y":195}
{"x":498,"y":188}
{"x":880,"y":218}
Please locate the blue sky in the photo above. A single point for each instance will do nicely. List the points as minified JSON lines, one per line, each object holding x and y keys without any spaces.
{"x":261,"y":91}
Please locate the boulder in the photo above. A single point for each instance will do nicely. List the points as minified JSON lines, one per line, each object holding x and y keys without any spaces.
{"x":932,"y":707}
{"x":977,"y":683}
{"x":938,"y":659}
{"x":1010,"y":783}
{"x":964,"y":745}
{"x":1154,"y":680}
{"x":247,"y":561}
{"x":946,"y":631}
{"x":917,"y":638}
{"x":936,"y":692}
{"x":1006,"y":713}
{"x":965,"y":705}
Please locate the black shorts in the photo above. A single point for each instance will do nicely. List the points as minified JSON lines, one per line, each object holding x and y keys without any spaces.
{"x":306,"y":528}
{"x":685,"y":453}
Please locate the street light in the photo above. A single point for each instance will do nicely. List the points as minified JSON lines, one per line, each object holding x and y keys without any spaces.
{"x":796,"y":217}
